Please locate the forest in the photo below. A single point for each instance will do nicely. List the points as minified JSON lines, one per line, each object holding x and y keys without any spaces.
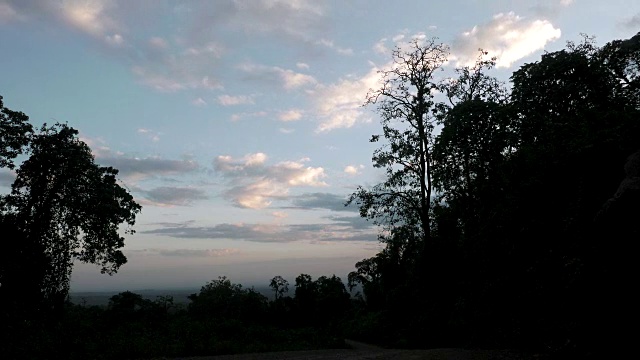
{"x":507,"y":215}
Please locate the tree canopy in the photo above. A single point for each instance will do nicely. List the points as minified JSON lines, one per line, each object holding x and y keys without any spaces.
{"x":521,"y":249}
{"x":62,"y":207}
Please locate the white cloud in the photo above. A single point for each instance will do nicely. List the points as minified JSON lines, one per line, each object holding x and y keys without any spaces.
{"x":199,"y":102}
{"x":239,"y":116}
{"x":90,"y":16}
{"x":294,"y":80}
{"x":340,"y":105}
{"x":158,"y":43}
{"x":289,"y":79}
{"x":353,"y":170}
{"x":255,"y":159}
{"x":330,"y":44}
{"x":256,"y":195}
{"x":114,"y":40}
{"x":157,"y":81}
{"x":508,"y":36}
{"x":290,"y":115}
{"x":254,"y":184}
{"x":566,"y":2}
{"x":279,"y":214}
{"x":150,"y":134}
{"x":286,"y":130}
{"x":228,"y":100}
{"x":210,"y":49}
{"x":381,"y":48}
{"x":302,"y":65}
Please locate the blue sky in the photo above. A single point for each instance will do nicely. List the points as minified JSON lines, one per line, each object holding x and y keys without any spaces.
{"x":238,"y":124}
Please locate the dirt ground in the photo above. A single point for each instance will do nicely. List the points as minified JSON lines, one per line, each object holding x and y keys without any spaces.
{"x":360,"y":351}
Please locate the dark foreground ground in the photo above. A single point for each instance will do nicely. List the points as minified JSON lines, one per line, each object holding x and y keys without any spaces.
{"x":362,"y":351}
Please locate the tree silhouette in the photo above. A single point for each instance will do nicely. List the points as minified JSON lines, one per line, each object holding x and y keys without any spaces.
{"x":62,"y":207}
{"x":14,"y":134}
{"x":279,"y":285}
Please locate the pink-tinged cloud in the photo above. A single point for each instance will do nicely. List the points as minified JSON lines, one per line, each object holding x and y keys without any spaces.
{"x":255,"y":184}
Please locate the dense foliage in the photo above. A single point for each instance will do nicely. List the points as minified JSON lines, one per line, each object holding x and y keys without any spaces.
{"x":62,"y":207}
{"x":223,"y":318}
{"x":534,"y":214}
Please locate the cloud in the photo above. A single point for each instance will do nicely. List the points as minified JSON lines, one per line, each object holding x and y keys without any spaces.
{"x":228,"y":100}
{"x":286,"y":130}
{"x":146,"y":167}
{"x":152,"y":135}
{"x":341,"y":229}
{"x":247,"y":232}
{"x":280,"y":214}
{"x":566,"y":2}
{"x":115,"y":40}
{"x":172,"y":196}
{"x":317,"y":201}
{"x":198,"y":252}
{"x":339,"y":105}
{"x":353,"y":170}
{"x":239,"y":116}
{"x":158,"y":43}
{"x":289,"y":79}
{"x":199,"y":102}
{"x":189,"y":53}
{"x":7,"y":177}
{"x":179,"y":66}
{"x":186,"y":252}
{"x":174,"y":76}
{"x":632,"y":22}
{"x":254,"y":184}
{"x":294,"y":80}
{"x":295,"y":19}
{"x":381,"y":48}
{"x":508,"y":36}
{"x":351,"y":222}
{"x":290,"y":115}
{"x":302,"y":65}
{"x":90,"y":16}
{"x":8,"y":13}
{"x":329,"y":44}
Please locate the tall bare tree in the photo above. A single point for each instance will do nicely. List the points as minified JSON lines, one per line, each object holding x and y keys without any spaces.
{"x":405,"y":103}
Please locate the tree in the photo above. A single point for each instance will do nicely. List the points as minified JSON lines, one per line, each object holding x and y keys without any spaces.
{"x":280,"y":286}
{"x":405,"y":103}
{"x":14,"y":134}
{"x":223,"y":300}
{"x":332,"y":297}
{"x":62,"y":207}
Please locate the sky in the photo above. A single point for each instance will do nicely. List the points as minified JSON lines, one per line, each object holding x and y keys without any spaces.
{"x":238,"y":125}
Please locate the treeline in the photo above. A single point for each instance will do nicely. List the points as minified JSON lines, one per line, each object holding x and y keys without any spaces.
{"x":533,"y":202}
{"x":223,"y":318}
